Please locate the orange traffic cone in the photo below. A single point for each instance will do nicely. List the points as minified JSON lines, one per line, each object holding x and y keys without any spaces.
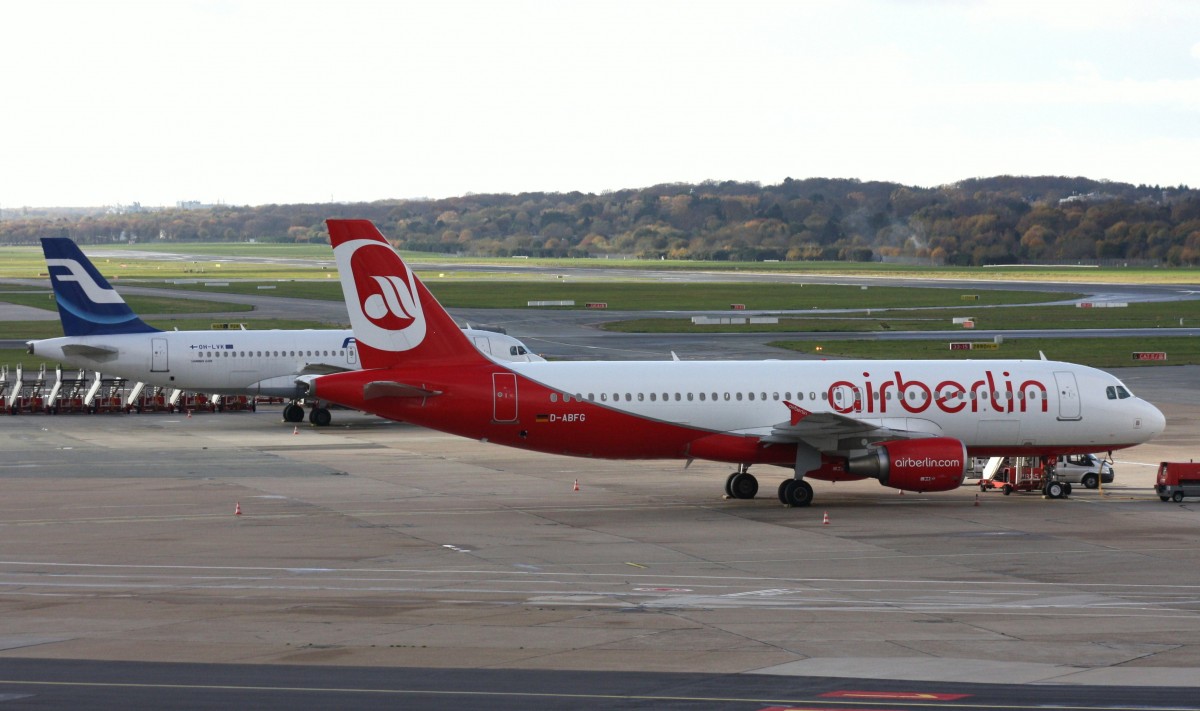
{"x":825,"y":519}
{"x":189,"y":414}
{"x":237,"y":510}
{"x":900,"y":492}
{"x":576,"y":485}
{"x":296,"y":430}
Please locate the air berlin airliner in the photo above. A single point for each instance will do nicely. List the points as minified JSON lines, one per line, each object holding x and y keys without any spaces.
{"x":910,"y":424}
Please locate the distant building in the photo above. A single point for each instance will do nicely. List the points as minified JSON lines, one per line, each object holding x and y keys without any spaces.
{"x":131,"y":208}
{"x":192,"y":205}
{"x":1090,"y":197}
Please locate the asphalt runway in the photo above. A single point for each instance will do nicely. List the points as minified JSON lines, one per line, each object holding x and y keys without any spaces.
{"x":376,"y":564}
{"x":380,"y":551}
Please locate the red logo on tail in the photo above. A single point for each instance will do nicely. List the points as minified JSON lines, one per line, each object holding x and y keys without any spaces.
{"x":386,"y":297}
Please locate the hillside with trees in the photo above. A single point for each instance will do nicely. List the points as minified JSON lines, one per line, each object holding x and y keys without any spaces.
{"x":1000,"y":220}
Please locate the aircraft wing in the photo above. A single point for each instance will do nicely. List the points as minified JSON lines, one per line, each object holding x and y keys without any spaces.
{"x":390,"y":388}
{"x":829,"y":431}
{"x":321,"y":369}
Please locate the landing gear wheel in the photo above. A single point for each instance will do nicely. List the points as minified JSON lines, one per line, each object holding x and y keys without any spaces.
{"x":743,"y":486}
{"x":795,"y":493}
{"x":293,"y":413}
{"x":1177,"y":497}
{"x":320,"y":417}
{"x":1007,"y":489}
{"x":1090,"y":481}
{"x":729,"y":485}
{"x":1054,"y":490}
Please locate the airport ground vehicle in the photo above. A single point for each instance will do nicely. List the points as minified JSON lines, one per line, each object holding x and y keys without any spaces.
{"x":1085,"y":469}
{"x":1176,"y":480}
{"x":1022,"y":474}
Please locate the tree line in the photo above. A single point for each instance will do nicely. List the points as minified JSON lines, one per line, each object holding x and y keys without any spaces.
{"x":1000,"y":220}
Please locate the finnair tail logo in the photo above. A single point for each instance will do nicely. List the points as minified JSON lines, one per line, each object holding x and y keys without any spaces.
{"x":94,"y":292}
{"x":389,"y":315}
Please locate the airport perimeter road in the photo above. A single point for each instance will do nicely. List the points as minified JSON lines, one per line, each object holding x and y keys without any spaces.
{"x":374,"y":544}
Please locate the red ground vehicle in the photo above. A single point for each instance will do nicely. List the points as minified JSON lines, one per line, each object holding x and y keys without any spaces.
{"x":1177,"y":480}
{"x":1024,"y":474}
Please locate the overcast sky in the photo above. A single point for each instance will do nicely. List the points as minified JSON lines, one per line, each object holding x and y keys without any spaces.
{"x":259,"y":102}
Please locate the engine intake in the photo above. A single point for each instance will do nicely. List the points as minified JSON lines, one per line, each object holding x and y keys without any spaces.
{"x":920,"y":465}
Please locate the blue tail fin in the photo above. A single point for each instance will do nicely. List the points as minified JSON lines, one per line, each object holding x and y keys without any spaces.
{"x":87,"y":305}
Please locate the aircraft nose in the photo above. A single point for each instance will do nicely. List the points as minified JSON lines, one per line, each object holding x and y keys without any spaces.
{"x":1153,"y":422}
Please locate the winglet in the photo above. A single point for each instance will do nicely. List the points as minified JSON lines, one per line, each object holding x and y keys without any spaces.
{"x":87,"y":305}
{"x":797,"y":413}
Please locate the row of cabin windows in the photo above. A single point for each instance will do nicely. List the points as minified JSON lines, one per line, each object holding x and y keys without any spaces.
{"x":271,"y":354}
{"x":715,"y":397}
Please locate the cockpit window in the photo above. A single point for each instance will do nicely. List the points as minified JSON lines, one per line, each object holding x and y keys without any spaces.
{"x":1122,"y":393}
{"x":1117,"y":392}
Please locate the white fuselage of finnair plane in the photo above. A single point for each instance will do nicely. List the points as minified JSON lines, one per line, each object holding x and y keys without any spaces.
{"x":265,"y":362}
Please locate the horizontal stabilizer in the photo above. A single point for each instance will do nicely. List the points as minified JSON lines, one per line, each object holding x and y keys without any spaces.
{"x":390,"y":388}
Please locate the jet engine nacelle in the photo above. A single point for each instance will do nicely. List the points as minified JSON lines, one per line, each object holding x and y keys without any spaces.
{"x":933,"y":464}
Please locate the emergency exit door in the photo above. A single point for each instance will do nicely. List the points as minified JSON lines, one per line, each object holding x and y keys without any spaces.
{"x":158,"y":355}
{"x":504,"y":397}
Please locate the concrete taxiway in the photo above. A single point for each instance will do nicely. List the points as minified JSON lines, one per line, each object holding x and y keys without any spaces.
{"x":371,"y":543}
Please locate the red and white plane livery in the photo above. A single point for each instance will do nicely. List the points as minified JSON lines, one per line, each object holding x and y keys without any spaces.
{"x":909,"y":424}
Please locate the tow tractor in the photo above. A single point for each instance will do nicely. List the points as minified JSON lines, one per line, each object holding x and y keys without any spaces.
{"x":1009,"y":474}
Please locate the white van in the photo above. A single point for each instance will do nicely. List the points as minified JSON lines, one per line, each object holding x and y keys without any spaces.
{"x":1085,"y":469}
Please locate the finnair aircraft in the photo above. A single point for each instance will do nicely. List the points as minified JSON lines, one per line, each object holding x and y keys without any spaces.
{"x":103,"y":333}
{"x":910,"y":424}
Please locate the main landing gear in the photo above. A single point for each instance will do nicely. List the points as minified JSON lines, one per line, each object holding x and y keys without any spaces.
{"x":743,"y":485}
{"x":294,"y":412}
{"x":795,"y":492}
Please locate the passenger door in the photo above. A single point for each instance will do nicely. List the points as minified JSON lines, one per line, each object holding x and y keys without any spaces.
{"x":1068,"y":396}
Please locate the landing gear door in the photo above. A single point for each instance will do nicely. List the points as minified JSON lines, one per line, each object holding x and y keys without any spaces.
{"x":158,"y":355}
{"x":1068,"y":396}
{"x":504,"y":397}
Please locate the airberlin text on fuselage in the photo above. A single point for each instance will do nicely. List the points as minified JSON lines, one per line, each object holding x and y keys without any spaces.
{"x":947,"y":395}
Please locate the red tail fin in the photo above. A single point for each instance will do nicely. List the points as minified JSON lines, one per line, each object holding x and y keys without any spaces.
{"x":394,"y":317}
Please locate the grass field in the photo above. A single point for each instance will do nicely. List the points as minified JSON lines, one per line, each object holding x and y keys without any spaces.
{"x":140,"y":304}
{"x":1146,"y":315}
{"x":893,"y":308}
{"x":1096,"y":352}
{"x":27,"y":262}
{"x":32,"y":330}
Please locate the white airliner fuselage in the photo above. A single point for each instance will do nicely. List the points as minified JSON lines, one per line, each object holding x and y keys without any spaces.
{"x":263,"y":362}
